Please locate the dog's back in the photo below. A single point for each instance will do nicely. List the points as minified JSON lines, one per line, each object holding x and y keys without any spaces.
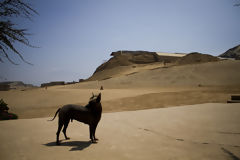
{"x":77,"y":112}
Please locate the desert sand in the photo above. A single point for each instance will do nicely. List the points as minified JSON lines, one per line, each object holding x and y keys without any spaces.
{"x":151,"y":111}
{"x":206,"y":131}
{"x":149,"y":86}
{"x":38,"y":103}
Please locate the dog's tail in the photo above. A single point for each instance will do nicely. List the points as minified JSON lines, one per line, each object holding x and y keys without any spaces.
{"x":55,"y":114}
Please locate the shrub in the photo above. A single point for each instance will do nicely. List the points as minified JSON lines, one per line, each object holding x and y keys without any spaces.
{"x":4,"y":115}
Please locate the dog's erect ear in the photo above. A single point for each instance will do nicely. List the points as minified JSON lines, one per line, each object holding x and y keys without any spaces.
{"x":99,"y":98}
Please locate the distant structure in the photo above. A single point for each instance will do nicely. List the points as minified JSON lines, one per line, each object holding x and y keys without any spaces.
{"x":171,"y":54}
{"x":73,"y":82}
{"x":81,"y":80}
{"x":53,"y":83}
{"x":101,"y":88}
{"x":4,"y":87}
{"x":8,"y":85}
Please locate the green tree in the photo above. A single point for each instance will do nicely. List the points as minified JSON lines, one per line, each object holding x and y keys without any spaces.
{"x":10,"y":33}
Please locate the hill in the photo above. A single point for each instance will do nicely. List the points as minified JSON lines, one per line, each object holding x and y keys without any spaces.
{"x":127,"y":58}
{"x":232,"y":53}
{"x":195,"y":57}
{"x":131,"y":62}
{"x":217,"y":73}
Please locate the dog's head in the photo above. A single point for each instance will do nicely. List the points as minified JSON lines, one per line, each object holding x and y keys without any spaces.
{"x":95,"y":102}
{"x":96,"y":98}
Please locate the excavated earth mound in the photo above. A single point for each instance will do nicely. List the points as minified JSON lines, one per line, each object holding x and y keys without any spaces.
{"x":127,"y":58}
{"x":195,"y":57}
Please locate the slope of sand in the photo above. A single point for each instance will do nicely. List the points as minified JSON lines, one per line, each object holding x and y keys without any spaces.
{"x":123,"y":70}
{"x":221,"y":73}
{"x":207,"y":131}
{"x":212,"y":73}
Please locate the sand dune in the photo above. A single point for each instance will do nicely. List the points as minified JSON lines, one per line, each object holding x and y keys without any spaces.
{"x":214,"y":73}
{"x":208,"y":131}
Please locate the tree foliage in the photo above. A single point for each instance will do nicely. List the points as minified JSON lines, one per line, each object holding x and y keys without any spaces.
{"x":9,"y":32}
{"x":237,"y":4}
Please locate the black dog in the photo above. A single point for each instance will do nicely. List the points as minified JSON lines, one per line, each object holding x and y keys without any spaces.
{"x":90,"y":114}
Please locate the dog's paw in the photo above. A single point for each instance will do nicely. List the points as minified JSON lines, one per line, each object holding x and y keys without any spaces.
{"x":93,"y":141}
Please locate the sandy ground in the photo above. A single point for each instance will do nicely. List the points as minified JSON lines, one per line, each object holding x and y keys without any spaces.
{"x":206,"y":131}
{"x":38,"y":103}
{"x":141,"y":87}
{"x":203,"y":127}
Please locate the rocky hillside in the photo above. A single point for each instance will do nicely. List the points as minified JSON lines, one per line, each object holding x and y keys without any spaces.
{"x":131,"y":62}
{"x":127,"y":58}
{"x":232,"y":53}
{"x":195,"y":57}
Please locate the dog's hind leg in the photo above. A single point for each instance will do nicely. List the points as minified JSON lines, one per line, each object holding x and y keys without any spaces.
{"x":65,"y":129}
{"x":60,"y":125}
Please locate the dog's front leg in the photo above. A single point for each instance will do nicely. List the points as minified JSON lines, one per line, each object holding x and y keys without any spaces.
{"x":94,"y":131}
{"x":91,"y":131}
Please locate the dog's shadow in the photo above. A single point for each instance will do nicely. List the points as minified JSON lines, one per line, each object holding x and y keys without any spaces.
{"x":76,"y":145}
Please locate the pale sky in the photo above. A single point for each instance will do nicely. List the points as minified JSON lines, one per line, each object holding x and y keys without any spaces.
{"x":76,"y":36}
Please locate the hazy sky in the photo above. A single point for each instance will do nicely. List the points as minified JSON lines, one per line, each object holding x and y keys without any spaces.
{"x":77,"y":36}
